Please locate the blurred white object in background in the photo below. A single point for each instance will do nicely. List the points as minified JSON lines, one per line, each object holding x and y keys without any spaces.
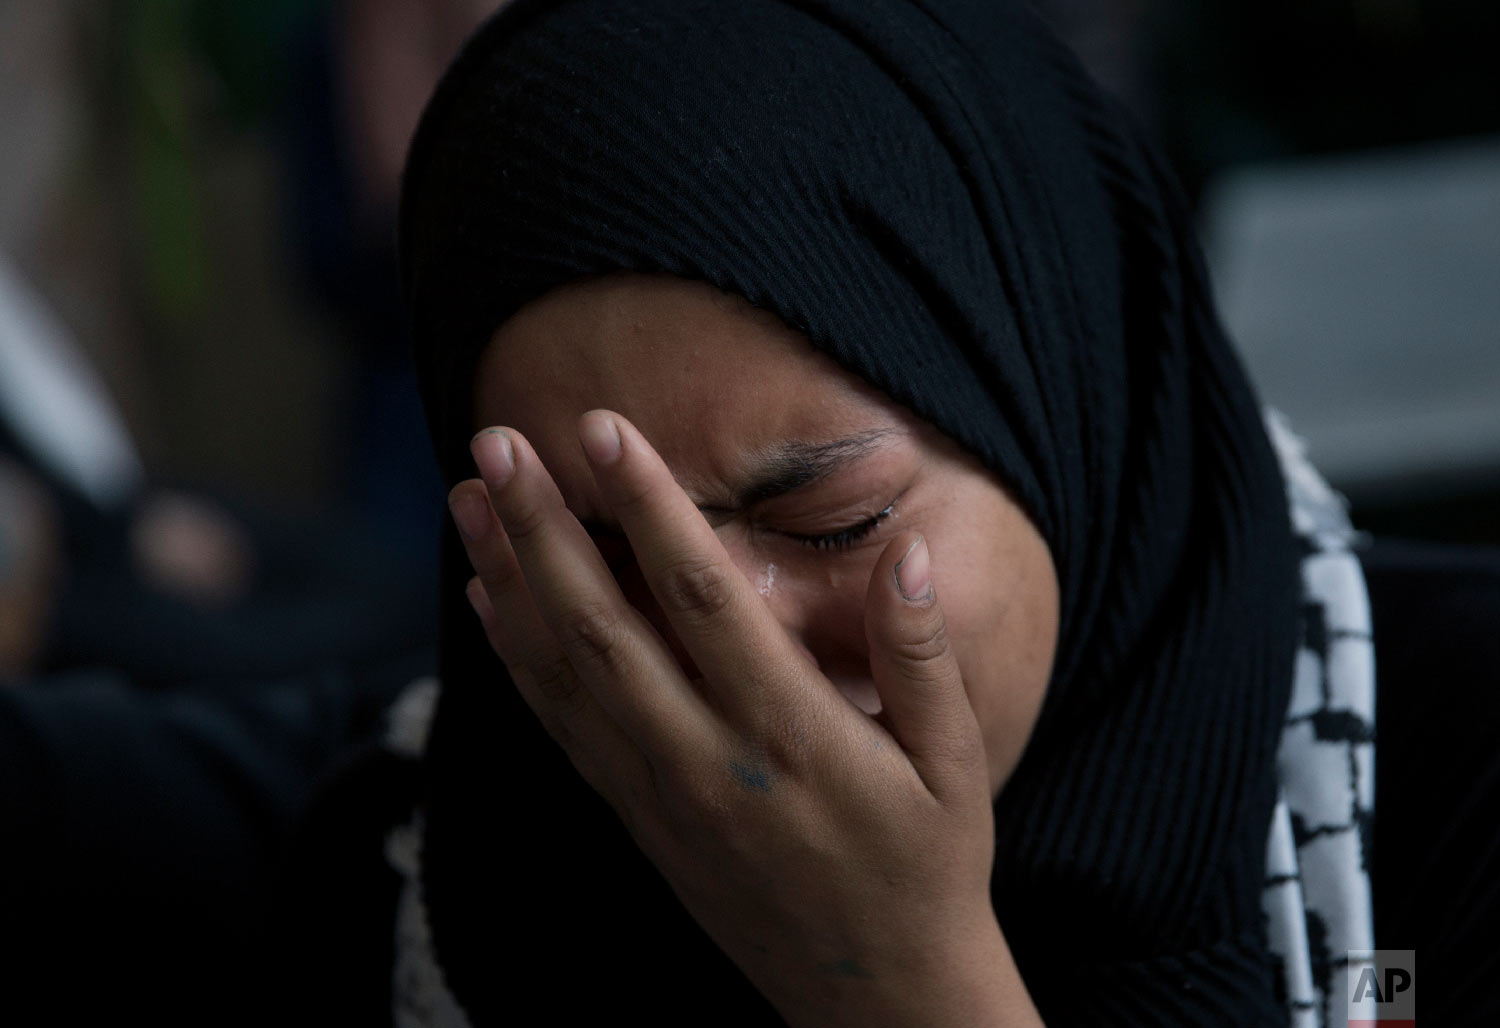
{"x":54,"y":403}
{"x":1364,"y":294}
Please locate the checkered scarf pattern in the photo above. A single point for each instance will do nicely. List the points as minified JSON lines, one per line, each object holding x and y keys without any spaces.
{"x":1317,"y":899}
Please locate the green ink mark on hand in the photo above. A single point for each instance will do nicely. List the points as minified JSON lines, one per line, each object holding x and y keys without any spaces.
{"x":750,"y":777}
{"x":846,"y":968}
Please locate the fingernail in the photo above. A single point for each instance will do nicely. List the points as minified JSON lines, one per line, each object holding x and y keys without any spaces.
{"x":494,"y":456}
{"x":471,"y":514}
{"x":600,"y":437}
{"x":914,"y":573}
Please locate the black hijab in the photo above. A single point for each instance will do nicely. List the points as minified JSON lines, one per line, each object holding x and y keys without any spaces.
{"x":936,"y":195}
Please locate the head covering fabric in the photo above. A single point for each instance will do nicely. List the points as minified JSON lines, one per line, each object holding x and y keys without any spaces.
{"x":936,"y":195}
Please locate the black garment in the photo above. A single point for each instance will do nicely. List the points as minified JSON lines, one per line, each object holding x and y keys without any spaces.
{"x":145,"y":832}
{"x":1436,"y":855}
{"x":936,"y":195}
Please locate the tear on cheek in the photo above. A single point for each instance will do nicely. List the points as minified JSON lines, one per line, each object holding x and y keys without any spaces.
{"x":765,"y":580}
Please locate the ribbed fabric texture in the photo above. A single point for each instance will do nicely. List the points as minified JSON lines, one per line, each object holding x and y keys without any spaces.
{"x":936,"y":195}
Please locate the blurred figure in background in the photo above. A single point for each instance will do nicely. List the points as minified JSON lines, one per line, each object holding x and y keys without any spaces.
{"x":216,"y":498}
{"x":166,"y":585}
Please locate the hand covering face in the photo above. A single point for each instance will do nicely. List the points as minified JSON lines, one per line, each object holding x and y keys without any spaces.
{"x":937,"y":196}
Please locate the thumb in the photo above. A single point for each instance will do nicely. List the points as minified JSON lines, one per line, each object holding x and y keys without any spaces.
{"x":924,"y":704}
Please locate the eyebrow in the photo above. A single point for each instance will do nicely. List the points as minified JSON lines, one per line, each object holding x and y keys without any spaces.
{"x":782,"y":469}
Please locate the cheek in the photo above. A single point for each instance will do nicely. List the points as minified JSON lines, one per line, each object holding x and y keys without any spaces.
{"x":975,"y":626}
{"x":999,"y":599}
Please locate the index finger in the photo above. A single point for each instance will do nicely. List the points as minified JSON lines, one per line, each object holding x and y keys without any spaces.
{"x":546,"y":579}
{"x":745,"y":656}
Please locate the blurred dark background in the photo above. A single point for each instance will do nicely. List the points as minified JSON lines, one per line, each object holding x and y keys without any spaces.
{"x":1345,"y":159}
{"x":218,"y":508}
{"x":202,"y":192}
{"x":205,"y":390}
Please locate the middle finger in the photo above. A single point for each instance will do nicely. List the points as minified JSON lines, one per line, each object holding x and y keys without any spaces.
{"x":746,"y":657}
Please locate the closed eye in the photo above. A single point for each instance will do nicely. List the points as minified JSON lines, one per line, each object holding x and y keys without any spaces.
{"x":844,"y":537}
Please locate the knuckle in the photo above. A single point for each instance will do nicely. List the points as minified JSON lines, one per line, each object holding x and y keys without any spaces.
{"x":719,"y":817}
{"x":697,"y":809}
{"x":560,"y":688}
{"x":590,"y":635}
{"x":785,"y":736}
{"x":695,"y":587}
{"x":501,"y":576}
{"x":919,"y":654}
{"x":965,"y":745}
{"x":522,"y":521}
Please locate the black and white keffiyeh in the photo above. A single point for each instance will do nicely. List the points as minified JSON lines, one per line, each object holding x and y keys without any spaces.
{"x":1317,"y":898}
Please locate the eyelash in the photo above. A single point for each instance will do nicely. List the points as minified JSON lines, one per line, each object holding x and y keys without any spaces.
{"x":844,"y":537}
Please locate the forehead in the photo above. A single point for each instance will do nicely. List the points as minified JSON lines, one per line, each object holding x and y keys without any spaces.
{"x":708,"y":378}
